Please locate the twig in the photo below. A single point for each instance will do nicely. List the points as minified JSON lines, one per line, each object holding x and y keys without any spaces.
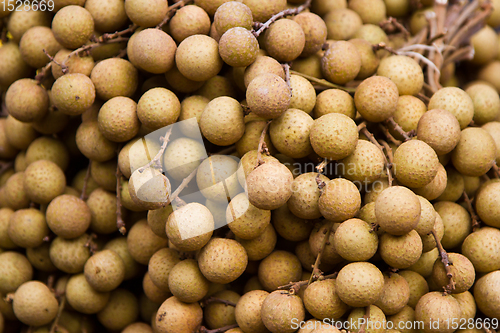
{"x":262,"y":146}
{"x":398,"y":128}
{"x":119,"y":217}
{"x":294,"y":287}
{"x":203,"y":329}
{"x":42,"y":73}
{"x":83,"y":196}
{"x":447,"y":263}
{"x":286,"y":12}
{"x":465,"y":53}
{"x":217,"y":300}
{"x":362,"y":128}
{"x":156,"y":161}
{"x":362,"y":328}
{"x":475,"y":219}
{"x":390,"y":163}
{"x":496,"y":172}
{"x":388,"y":135}
{"x":91,"y":244}
{"x":391,"y":24}
{"x":171,"y":11}
{"x":182,"y":186}
{"x":316,"y":272}
{"x":53,"y":328}
{"x":323,"y":82}
{"x":320,"y":167}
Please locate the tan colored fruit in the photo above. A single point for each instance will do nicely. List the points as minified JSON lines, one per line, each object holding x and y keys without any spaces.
{"x":222,"y":260}
{"x":182,"y":157}
{"x":315,"y":32}
{"x":268,"y":95}
{"x":197,"y":58}
{"x":248,"y":311}
{"x":262,"y":65}
{"x":152,"y":50}
{"x":418,"y":286}
{"x":28,"y":228}
{"x":440,"y":130}
{"x":369,"y":59}
{"x":340,"y":200}
{"x":104,"y":271}
{"x":146,"y":13}
{"x":409,"y":110}
{"x":93,"y":144}
{"x":482,"y":249}
{"x":436,"y":187}
{"x":487,"y":294}
{"x":269,"y":185}
{"x":342,"y":23}
{"x":364,"y":166}
{"x":34,"y":41}
{"x":118,"y":120}
{"x":114,"y":77}
{"x":68,"y":216}
{"x":395,"y":295}
{"x":23,"y":108}
{"x":341,"y":71}
{"x":142,"y":243}
{"x":34,"y":304}
{"x":43,"y":181}
{"x":475,"y":152}
{"x":278,"y":268}
{"x":462,"y":270}
{"x":400,"y":251}
{"x":305,"y":195}
{"x":174,"y":316}
{"x":376,"y":98}
{"x":321,"y":300}
{"x":82,"y":297}
{"x":70,"y":255}
{"x":290,"y":133}
{"x":190,"y":227}
{"x":405,"y":72}
{"x":238,"y":47}
{"x":284,"y":40}
{"x":186,"y":282}
{"x":397,"y":210}
{"x":244,"y":219}
{"x":222,"y":121}
{"x":432,"y":307}
{"x":232,"y":14}
{"x":121,"y":310}
{"x":149,"y":188}
{"x":456,"y":101}
{"x":415,"y":163}
{"x":72,"y":26}
{"x":456,"y":221}
{"x":262,"y":11}
{"x":487,"y":205}
{"x":354,"y":240}
{"x":15,"y":270}
{"x":334,"y":136}
{"x":359,"y":284}
{"x":280,"y":310}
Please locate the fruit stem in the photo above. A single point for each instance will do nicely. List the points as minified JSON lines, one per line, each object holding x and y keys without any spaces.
{"x":42,"y":73}
{"x":90,"y":244}
{"x":171,"y":11}
{"x":203,"y":329}
{"x":324,"y":82}
{"x":283,"y":13}
{"x":496,"y":172}
{"x":388,"y":135}
{"x":83,"y":196}
{"x":316,"y":272}
{"x":447,"y":263}
{"x":475,"y":220}
{"x":119,"y":218}
{"x":53,"y":328}
{"x":262,"y":145}
{"x":362,"y":329}
{"x":398,"y":128}
{"x":392,"y":24}
{"x":182,"y":186}
{"x":320,"y":168}
{"x":294,"y":287}
{"x":156,"y":161}
{"x":286,"y":67}
{"x":388,"y":165}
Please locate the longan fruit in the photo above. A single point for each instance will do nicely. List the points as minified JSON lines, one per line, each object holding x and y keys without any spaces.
{"x":15,"y":195}
{"x":395,"y":295}
{"x":232,"y":14}
{"x":359,"y":284}
{"x":109,"y":15}
{"x":72,"y":94}
{"x":117,"y":119}
{"x":284,"y":40}
{"x":187,"y":21}
{"x":92,"y":143}
{"x":132,"y":267}
{"x":218,"y":86}
{"x":39,"y":257}
{"x":250,"y":139}
{"x":153,"y":50}
{"x":70,"y":255}
{"x":222,"y":260}
{"x":440,"y":129}
{"x":305,"y":195}
{"x":436,"y":187}
{"x":34,"y":304}
{"x":290,"y":133}
{"x":244,"y":219}
{"x":121,"y":310}
{"x":365,"y":165}
{"x":160,"y":265}
{"x":262,"y":11}
{"x":104,"y":271}
{"x":58,"y":4}
{"x":342,"y":23}
{"x":370,"y":11}
{"x":341,"y":71}
{"x":376,"y":98}
{"x":279,"y":268}
{"x":182,"y":157}
{"x":19,"y":134}
{"x":43,"y":181}
{"x":485,"y":43}
{"x":22,"y":20}
{"x":334,"y":101}
{"x":486,"y":294}
{"x":482,"y":249}
{"x":400,"y":251}
{"x":369,"y":59}
{"x":303,"y":94}
{"x":222,"y":122}
{"x":268,"y":103}
{"x":28,"y":228}
{"x":340,"y":200}
{"x":397,"y":8}
{"x":261,"y":246}
{"x":82,"y":297}
{"x":436,"y":307}
{"x":475,"y":153}
{"x":13,"y":67}
{"x":197,"y":58}
{"x":191,"y":107}
{"x":486,"y":206}
{"x":415,"y":163}
{"x":456,"y":101}
{"x":26,"y":100}
{"x":15,"y":270}
{"x":462,"y":270}
{"x":136,"y":153}
{"x":413,"y":79}
{"x":142,"y":243}
{"x":146,"y":13}
{"x":321,"y":7}
{"x":114,"y":77}
{"x":315,"y":32}
{"x":34,"y":41}
{"x":372,"y":34}
{"x":350,"y":235}
{"x":238,"y":47}
{"x":397,"y":210}
{"x":248,"y":311}
{"x":48,"y":148}
{"x":175,"y":316}
{"x":263,"y":65}
{"x":72,"y":26}
{"x":186,"y":282}
{"x":181,"y":83}
{"x":486,"y":102}
{"x":454,"y":186}
{"x":334,"y":136}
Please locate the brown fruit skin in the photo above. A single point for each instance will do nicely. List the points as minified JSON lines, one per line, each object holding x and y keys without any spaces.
{"x":72,"y":94}
{"x":482,"y":248}
{"x":82,"y":297}
{"x":222,"y":260}
{"x":174,"y":316}
{"x":487,"y":294}
{"x":462,"y":270}
{"x":27,"y":101}
{"x":142,"y":243}
{"x":43,"y":181}
{"x":238,"y":47}
{"x":19,"y":134}
{"x":70,"y":255}
{"x":262,"y":11}
{"x":436,"y":187}
{"x":72,"y":26}
{"x":245,"y":220}
{"x":315,"y":32}
{"x":15,"y":270}
{"x":261,"y":246}
{"x":197,"y":58}
{"x":28,"y":228}
{"x":405,"y":72}
{"x":146,"y":13}
{"x":400,"y":251}
{"x":456,"y":101}
{"x":395,"y":295}
{"x":284,"y":40}
{"x":359,"y":284}
{"x":160,"y":265}
{"x":268,"y":96}
{"x":280,"y":310}
{"x":262,"y":65}
{"x":233,"y":14}
{"x":15,"y":195}
{"x":305,"y":195}
{"x":334,"y":136}
{"x":186,"y":282}
{"x":376,"y":98}
{"x":354,"y":240}
{"x":109,"y":15}
{"x":487,"y":205}
{"x":432,"y":307}
{"x":187,"y":21}
{"x":290,"y":133}
{"x":342,"y":23}
{"x":486,"y":102}
{"x":398,"y":210}
{"x":104,"y":271}
{"x":114,"y":77}
{"x":32,"y":44}
{"x":34,"y":304}
{"x":13,"y":67}
{"x":269,"y":186}
{"x":415,"y":163}
{"x":248,"y":311}
{"x":154,"y":51}
{"x":341,"y":62}
{"x":222,"y":121}
{"x":369,"y":59}
{"x":475,"y":153}
{"x":321,"y":300}
{"x":92,"y":143}
{"x":365,"y":165}
{"x":340,"y":200}
{"x":440,"y":130}
{"x":68,"y":216}
{"x":278,"y":267}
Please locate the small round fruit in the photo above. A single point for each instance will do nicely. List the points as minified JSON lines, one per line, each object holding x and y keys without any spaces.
{"x":415,"y":163}
{"x":341,"y":62}
{"x":284,"y":40}
{"x":15,"y":269}
{"x":153,"y":51}
{"x":268,"y":96}
{"x":73,"y":26}
{"x":104,"y":271}
{"x":186,"y":282}
{"x":334,"y":136}
{"x":456,"y":101}
{"x":280,"y":310}
{"x":398,"y":210}
{"x":355,"y":240}
{"x":488,"y":205}
{"x":376,"y":98}
{"x":290,"y":133}
{"x":440,"y":130}
{"x":158,"y":107}
{"x":487,"y":294}
{"x":340,"y":200}
{"x":117,"y":119}
{"x":475,"y":153}
{"x":34,"y":304}
{"x":462,"y":270}
{"x":278,"y":268}
{"x":43,"y":181}
{"x":238,"y":47}
{"x":174,"y":316}
{"x":82,"y":297}
{"x":114,"y":77}
{"x":197,"y":58}
{"x":222,"y":260}
{"x":26,"y":100}
{"x":434,"y":307}
{"x":405,"y":72}
{"x":400,"y":251}
{"x":222,"y":121}
{"x":72,"y":94}
{"x":359,"y":284}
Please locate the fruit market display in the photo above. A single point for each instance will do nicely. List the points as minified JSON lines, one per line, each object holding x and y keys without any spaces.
{"x":250,"y":166}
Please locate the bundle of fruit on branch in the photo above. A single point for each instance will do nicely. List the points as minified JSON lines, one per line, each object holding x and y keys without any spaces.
{"x":250,"y":166}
